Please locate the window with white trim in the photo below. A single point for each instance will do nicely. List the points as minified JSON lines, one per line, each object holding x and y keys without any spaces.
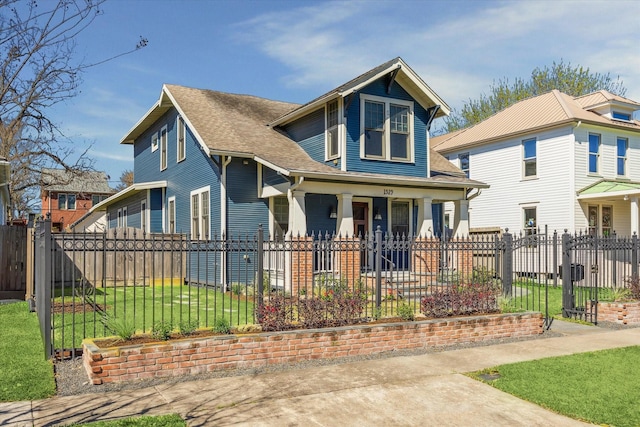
{"x":530,"y":217}
{"x":154,"y":142}
{"x":122,"y":217}
{"x":171,"y":215}
{"x":529,"y":158}
{"x":621,"y":155}
{"x":463,"y":158}
{"x":600,"y":220}
{"x":143,"y":215}
{"x":386,"y":129}
{"x":163,"y":148}
{"x":181,"y":139}
{"x":594,"y":153}
{"x":200,"y":219}
{"x":66,"y":202}
{"x":332,"y":134}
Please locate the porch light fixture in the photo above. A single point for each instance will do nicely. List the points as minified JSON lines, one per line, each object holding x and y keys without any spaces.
{"x":377,"y":216}
{"x":332,"y":213}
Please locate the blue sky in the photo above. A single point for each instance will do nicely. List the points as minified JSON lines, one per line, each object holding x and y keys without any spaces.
{"x":296,"y":50}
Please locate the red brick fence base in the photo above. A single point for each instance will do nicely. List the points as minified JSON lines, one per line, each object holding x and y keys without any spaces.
{"x":624,"y":313}
{"x":199,"y":355}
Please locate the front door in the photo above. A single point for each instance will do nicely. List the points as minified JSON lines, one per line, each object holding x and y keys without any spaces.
{"x":361,"y":228}
{"x":360,"y":219}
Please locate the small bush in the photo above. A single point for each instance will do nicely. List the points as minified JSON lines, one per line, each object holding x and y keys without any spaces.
{"x":462,"y":299}
{"x":222,"y":326}
{"x":161,"y":330}
{"x":188,"y":327}
{"x":123,"y":328}
{"x":406,"y":312}
{"x":237,"y":289}
{"x":633,"y":285}
{"x":313,"y":312}
{"x":272,"y":315}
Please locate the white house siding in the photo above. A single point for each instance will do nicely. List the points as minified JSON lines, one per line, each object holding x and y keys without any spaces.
{"x":607,"y":170}
{"x":502,"y":204}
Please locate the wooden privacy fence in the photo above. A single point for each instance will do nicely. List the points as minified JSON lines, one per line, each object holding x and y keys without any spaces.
{"x":119,"y":256}
{"x":15,"y":261}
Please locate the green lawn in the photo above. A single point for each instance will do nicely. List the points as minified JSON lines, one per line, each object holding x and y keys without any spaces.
{"x":598,"y":387}
{"x":144,"y":306}
{"x":530,"y":296}
{"x":24,"y":372}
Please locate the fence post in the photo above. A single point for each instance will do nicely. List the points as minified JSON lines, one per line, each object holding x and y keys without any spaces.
{"x":260,"y":268}
{"x":634,"y":255}
{"x":43,"y":283}
{"x":507,"y":263}
{"x":378,"y":264}
{"x":567,"y":284}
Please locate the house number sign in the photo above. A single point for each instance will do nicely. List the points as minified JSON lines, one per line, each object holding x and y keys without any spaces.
{"x":387,"y":192}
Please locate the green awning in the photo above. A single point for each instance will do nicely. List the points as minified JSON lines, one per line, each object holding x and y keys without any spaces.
{"x":609,"y":188}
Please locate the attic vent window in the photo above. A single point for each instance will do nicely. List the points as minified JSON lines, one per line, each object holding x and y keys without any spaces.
{"x":617,"y":115}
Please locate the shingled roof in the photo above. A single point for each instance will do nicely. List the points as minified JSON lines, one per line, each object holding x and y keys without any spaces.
{"x":548,"y":110}
{"x":75,"y":182}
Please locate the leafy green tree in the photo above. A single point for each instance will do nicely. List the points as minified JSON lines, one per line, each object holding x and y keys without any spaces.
{"x":572,"y":80}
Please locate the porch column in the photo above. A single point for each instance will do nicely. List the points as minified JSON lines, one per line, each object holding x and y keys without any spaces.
{"x":634,"y":216}
{"x":297,"y":214}
{"x":345,"y":214}
{"x":425,"y":216}
{"x":461,"y":218}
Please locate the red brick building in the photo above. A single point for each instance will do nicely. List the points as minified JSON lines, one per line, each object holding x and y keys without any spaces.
{"x":68,"y":196}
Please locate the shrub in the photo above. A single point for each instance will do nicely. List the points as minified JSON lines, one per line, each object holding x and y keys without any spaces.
{"x":123,"y":328}
{"x":313,"y":312}
{"x":272,"y":315}
{"x":462,"y":299}
{"x":237,"y":289}
{"x":222,"y":326}
{"x":187,"y":327}
{"x":161,"y":330}
{"x":406,"y":312}
{"x":633,"y":285}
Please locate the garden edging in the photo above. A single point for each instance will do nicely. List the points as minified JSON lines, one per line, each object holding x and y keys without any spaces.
{"x":225,"y":352}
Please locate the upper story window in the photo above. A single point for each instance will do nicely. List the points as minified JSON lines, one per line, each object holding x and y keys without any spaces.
{"x":386,"y":129}
{"x":66,"y":201}
{"x":621,"y":116}
{"x":332,"y":139}
{"x":463,"y":158}
{"x":163,"y":148}
{"x":594,"y":153}
{"x":529,"y":158}
{"x":622,"y":148}
{"x":154,"y":142}
{"x":181,"y":140}
{"x":200,"y":219}
{"x":97,"y":198}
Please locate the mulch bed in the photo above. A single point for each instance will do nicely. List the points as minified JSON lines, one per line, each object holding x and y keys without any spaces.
{"x":76,"y":307}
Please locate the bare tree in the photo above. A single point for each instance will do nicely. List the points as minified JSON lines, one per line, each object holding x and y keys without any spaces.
{"x":37,"y":71}
{"x":126,"y":180}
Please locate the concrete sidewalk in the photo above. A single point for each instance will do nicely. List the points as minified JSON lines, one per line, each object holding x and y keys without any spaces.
{"x":427,"y":389}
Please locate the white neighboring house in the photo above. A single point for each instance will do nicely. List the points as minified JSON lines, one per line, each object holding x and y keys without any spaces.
{"x":566,"y":162}
{"x":5,"y":170}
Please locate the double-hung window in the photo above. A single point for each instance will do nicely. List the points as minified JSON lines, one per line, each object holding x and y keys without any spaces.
{"x":463,"y":158}
{"x":386,"y":129}
{"x":594,"y":153}
{"x":622,"y":148}
{"x":280,"y":217}
{"x":529,"y":158}
{"x":181,"y":139}
{"x":200,"y":219}
{"x":66,"y":202}
{"x":332,"y":138}
{"x":163,"y":148}
{"x":530,"y":220}
{"x":122,"y":217}
{"x":172,"y":215}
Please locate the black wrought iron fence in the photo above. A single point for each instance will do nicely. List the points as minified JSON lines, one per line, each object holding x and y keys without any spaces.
{"x":91,"y":285}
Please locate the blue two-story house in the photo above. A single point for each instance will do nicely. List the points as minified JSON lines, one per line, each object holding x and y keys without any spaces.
{"x":209,"y":163}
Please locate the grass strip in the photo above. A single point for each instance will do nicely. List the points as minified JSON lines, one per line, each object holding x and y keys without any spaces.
{"x":171,"y":420}
{"x":597,"y":387}
{"x":24,"y":372}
